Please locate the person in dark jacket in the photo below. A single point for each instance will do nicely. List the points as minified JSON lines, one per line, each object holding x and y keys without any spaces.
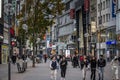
{"x":93,"y":63}
{"x":101,"y":65}
{"x":63,"y":67}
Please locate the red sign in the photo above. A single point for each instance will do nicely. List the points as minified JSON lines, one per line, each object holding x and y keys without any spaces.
{"x":12,"y":32}
{"x":72,"y":13}
{"x":86,"y":5}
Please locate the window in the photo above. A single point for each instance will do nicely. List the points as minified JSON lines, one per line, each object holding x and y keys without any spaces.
{"x":109,"y":17}
{"x":103,"y":18}
{"x":106,"y":17}
{"x":118,"y":1}
{"x":98,"y":7}
{"x":100,"y":20}
{"x":103,"y":5}
{"x":67,"y":6}
{"x":106,"y":3}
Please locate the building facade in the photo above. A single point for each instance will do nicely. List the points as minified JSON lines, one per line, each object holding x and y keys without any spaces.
{"x":93,"y":22}
{"x":106,"y":27}
{"x":118,"y":26}
{"x":66,"y":27}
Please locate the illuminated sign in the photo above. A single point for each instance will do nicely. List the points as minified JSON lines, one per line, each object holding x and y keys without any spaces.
{"x":111,"y":42}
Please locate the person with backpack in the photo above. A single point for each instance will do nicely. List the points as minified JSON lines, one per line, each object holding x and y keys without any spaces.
{"x":63,"y":67}
{"x":53,"y":67}
{"x":81,"y":62}
{"x":101,"y":64}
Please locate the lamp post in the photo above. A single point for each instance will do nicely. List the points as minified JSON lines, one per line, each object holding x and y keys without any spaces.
{"x":8,"y":10}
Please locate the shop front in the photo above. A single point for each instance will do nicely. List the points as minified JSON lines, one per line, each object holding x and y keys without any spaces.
{"x":111,"y":48}
{"x":4,"y":53}
{"x":118,"y":45}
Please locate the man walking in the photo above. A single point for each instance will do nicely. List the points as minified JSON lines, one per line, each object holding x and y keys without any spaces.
{"x":101,"y":65}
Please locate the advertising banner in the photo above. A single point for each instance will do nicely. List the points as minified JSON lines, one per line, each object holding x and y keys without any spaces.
{"x":4,"y":54}
{"x":114,"y":8}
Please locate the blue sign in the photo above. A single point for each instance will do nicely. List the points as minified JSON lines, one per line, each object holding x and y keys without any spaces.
{"x":113,"y":8}
{"x":111,"y":42}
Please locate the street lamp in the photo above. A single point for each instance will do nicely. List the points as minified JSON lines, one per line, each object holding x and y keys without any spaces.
{"x":9,"y":12}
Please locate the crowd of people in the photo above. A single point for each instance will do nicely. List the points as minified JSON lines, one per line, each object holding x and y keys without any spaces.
{"x":85,"y":63}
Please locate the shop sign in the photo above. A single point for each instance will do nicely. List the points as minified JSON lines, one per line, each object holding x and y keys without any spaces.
{"x":111,"y":42}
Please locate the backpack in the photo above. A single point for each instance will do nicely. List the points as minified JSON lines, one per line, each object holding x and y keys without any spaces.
{"x":54,"y":65}
{"x":101,"y":63}
{"x":81,"y":58}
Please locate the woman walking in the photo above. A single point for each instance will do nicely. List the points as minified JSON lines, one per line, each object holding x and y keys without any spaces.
{"x":53,"y":67}
{"x":63,"y":67}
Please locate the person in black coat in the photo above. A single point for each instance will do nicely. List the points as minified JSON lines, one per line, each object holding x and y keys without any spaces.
{"x":101,"y":64}
{"x":63,"y":67}
{"x":93,"y":64}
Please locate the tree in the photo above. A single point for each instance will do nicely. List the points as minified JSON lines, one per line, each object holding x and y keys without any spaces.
{"x":38,"y":15}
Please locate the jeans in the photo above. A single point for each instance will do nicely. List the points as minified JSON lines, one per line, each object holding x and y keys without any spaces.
{"x":93,"y":72}
{"x":101,"y":73}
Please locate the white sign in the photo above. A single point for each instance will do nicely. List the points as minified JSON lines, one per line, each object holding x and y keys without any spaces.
{"x":67,"y":53}
{"x":0,"y":8}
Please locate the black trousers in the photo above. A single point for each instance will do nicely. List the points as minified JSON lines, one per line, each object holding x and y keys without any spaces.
{"x":93,"y":72}
{"x":63,"y":73}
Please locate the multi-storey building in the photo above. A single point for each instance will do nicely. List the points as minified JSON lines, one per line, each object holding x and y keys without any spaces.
{"x":93,"y":21}
{"x":106,"y":27}
{"x":66,"y":27}
{"x":118,"y":25}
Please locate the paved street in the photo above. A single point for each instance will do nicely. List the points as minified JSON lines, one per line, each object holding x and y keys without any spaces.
{"x":42,"y":72}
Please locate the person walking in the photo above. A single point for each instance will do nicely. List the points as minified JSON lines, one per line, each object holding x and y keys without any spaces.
{"x":101,"y":64}
{"x":45,"y":58}
{"x":75,"y":61}
{"x":63,"y":67}
{"x":81,"y":62}
{"x":14,"y":57}
{"x":93,"y":64}
{"x":53,"y":67}
{"x":84,"y":70}
{"x":115,"y":66}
